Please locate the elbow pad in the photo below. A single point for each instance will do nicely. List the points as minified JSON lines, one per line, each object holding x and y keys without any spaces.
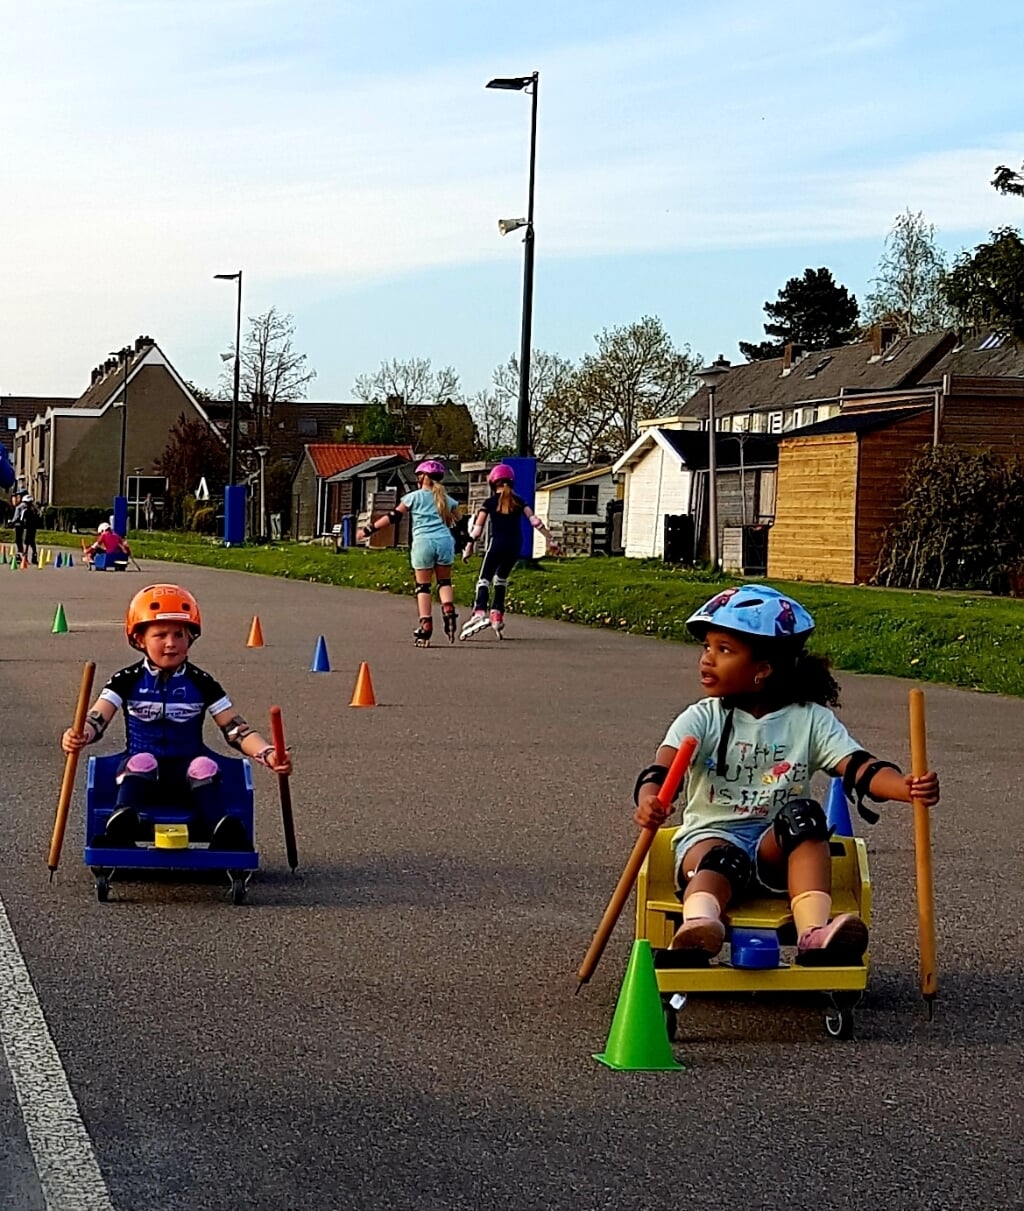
{"x":655,"y":774}
{"x":394,"y":516}
{"x":235,"y":731}
{"x":855,"y":784}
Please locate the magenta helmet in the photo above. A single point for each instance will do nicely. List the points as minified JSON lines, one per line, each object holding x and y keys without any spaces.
{"x":432,"y":467}
{"x":501,"y":471}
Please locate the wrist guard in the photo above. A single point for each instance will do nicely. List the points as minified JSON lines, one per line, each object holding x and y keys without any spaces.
{"x":857,"y":780}
{"x":655,"y":774}
{"x":99,"y":725}
{"x":235,"y":731}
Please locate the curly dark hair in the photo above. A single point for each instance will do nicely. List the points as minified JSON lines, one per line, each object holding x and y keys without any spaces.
{"x":797,"y":676}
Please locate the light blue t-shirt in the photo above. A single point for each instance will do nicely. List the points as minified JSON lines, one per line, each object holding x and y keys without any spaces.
{"x":423,"y":510}
{"x":768,"y":761}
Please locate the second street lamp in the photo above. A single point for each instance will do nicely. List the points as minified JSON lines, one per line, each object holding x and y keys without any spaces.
{"x":711,"y":376}
{"x":124,"y":355}
{"x":233,"y":442}
{"x":530,"y":84}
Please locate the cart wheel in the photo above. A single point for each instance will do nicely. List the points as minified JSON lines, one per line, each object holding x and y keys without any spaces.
{"x":102,"y":888}
{"x":237,"y":889}
{"x":839,"y":1017}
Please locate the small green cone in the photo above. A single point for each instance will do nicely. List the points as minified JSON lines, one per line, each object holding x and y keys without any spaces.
{"x":60,"y":623}
{"x":638,"y":1040}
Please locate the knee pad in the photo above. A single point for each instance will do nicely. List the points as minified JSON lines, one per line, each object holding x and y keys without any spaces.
{"x":423,"y":588}
{"x":444,"y":582}
{"x":123,"y":828}
{"x":483,"y":583}
{"x":731,"y":863}
{"x":140,"y":765}
{"x":229,"y":833}
{"x":202,"y":771}
{"x":501,"y":580}
{"x":800,"y":820}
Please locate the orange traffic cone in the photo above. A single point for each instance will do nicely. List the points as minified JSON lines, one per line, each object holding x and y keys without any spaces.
{"x":255,"y":639}
{"x":24,"y":560}
{"x":362,"y":695}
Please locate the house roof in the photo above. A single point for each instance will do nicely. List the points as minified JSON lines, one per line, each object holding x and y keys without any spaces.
{"x":984,"y":355}
{"x":856,"y":422}
{"x":297,"y":423}
{"x":25,"y":408}
{"x":377,"y":463}
{"x":823,"y":375}
{"x":690,"y":446}
{"x":578,"y":477}
{"x":328,"y":458}
{"x":108,"y":378}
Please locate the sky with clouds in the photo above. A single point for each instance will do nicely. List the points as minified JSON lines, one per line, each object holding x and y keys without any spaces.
{"x":692,"y":156}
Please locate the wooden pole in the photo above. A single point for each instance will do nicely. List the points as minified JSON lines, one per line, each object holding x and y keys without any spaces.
{"x":67,"y":786}
{"x":667,"y":793}
{"x":923,"y":854}
{"x":277,"y":735}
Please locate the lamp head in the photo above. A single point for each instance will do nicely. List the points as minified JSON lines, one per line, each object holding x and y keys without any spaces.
{"x":507,"y":225}
{"x":512,"y":83}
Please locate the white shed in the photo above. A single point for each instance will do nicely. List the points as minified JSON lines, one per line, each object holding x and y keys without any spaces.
{"x":657,"y":481}
{"x":582,"y":496}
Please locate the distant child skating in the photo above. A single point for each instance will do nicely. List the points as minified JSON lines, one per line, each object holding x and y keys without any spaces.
{"x":505,"y":512}
{"x":432,"y":513}
{"x":763,"y":730}
{"x":165,"y":699}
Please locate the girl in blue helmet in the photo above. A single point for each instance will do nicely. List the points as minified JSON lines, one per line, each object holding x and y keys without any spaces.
{"x":432,"y":550}
{"x":763,"y":730}
{"x":505,"y":511}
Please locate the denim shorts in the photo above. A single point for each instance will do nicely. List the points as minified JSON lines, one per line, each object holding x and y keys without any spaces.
{"x":429,"y":550}
{"x":745,"y":835}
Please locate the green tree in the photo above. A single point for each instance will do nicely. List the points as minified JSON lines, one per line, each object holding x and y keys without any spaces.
{"x":448,"y":429}
{"x":812,"y":311}
{"x":193,"y":451}
{"x":985,"y":287}
{"x":1007,"y":180}
{"x":908,"y":291}
{"x":378,"y":426}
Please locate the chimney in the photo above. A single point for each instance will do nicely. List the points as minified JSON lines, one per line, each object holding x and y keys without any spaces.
{"x":791,"y":354}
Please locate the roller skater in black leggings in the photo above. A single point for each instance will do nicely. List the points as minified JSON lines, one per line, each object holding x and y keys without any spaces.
{"x":505,"y":511}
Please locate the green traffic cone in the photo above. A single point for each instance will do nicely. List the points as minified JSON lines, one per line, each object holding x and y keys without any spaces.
{"x":638,"y":1040}
{"x":60,"y":623}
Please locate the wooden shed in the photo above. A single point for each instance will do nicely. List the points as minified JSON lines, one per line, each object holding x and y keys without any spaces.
{"x":839,"y":487}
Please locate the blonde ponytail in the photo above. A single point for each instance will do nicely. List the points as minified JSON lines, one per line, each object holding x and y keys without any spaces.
{"x":441,"y":500}
{"x":505,"y":498}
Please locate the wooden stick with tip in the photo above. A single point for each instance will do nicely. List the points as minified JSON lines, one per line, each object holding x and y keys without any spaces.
{"x":287,"y":819}
{"x":67,"y":785}
{"x":666,"y":795}
{"x":923,"y":854}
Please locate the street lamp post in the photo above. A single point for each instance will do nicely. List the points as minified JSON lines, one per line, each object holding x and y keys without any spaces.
{"x":263,"y":451}
{"x":529,"y":84}
{"x":126,"y":355}
{"x":233,"y":440}
{"x":711,"y":376}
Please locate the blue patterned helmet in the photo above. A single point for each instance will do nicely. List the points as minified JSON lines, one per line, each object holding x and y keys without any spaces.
{"x":753,"y":610}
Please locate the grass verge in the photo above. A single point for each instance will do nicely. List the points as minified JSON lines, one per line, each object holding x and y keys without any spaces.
{"x":975,"y":641}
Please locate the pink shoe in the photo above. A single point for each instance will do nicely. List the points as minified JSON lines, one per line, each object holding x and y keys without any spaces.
{"x":703,"y":934}
{"x":840,"y":943}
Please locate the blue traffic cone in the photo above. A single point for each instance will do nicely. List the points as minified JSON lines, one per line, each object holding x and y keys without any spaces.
{"x":320,"y":664}
{"x":71,"y":561}
{"x":58,"y":562}
{"x":837,"y":811}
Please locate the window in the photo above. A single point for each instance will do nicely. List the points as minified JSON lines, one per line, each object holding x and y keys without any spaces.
{"x":774,"y":422}
{"x":12,"y":423}
{"x":583,"y":499}
{"x":307,"y":426}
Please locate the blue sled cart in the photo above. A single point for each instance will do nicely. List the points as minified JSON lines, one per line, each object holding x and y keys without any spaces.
{"x":171,"y":847}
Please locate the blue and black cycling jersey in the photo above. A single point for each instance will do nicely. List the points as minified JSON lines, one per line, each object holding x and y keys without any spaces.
{"x":164,"y":713}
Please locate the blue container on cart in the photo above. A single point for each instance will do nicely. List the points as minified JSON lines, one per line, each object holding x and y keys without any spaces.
{"x":100,"y":801}
{"x":754,"y":948}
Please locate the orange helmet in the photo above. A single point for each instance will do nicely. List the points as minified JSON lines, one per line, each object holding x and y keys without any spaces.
{"x":162,"y":603}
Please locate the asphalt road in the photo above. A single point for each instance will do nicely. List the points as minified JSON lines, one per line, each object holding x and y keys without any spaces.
{"x":396,"y":1026}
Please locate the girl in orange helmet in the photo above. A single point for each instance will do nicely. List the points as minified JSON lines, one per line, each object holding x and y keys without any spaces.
{"x":165,"y":699}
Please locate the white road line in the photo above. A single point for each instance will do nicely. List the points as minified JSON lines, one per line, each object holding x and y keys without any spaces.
{"x":68,"y":1173}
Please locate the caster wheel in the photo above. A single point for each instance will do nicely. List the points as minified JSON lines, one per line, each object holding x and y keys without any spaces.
{"x":238,"y":885}
{"x":839,"y":1019}
{"x":102,"y":888}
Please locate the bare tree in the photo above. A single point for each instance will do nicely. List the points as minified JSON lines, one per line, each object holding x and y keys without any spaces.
{"x":495,"y":423}
{"x":413,"y":382}
{"x":270,"y":372}
{"x":552,"y":435}
{"x":908,"y":288}
{"x":636,"y":374}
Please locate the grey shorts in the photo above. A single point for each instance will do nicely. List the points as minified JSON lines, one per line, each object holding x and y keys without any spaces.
{"x":745,"y":835}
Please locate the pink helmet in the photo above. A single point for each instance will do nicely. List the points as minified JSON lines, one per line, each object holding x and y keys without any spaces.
{"x":432,"y":467}
{"x":501,"y":471}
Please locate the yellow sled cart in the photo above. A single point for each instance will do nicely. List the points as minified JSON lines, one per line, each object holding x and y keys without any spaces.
{"x":756,"y":930}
